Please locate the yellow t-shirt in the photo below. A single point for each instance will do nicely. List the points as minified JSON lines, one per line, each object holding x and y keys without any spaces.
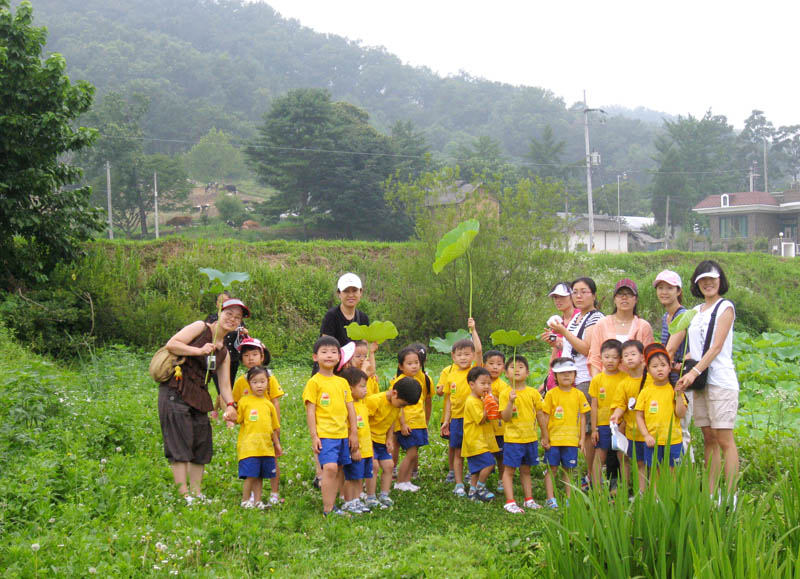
{"x":628,"y":388}
{"x":373,"y":385}
{"x":456,"y":388}
{"x":478,"y":438}
{"x":498,"y":387}
{"x":414,"y":415}
{"x":564,"y":409}
{"x":522,"y":426}
{"x":604,"y":389}
{"x":364,"y":433}
{"x":242,"y":388}
{"x":258,"y":420}
{"x":658,"y":405}
{"x":381,"y":416}
{"x":330,"y":395}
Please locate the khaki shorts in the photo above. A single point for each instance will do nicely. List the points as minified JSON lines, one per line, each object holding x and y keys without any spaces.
{"x":716,"y":407}
{"x":186,"y":431}
{"x":584,"y":387}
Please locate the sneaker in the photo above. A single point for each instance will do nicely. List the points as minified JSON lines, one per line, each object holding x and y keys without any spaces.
{"x":459,"y":490}
{"x":363,"y":497}
{"x":500,"y":488}
{"x":275,"y":499}
{"x":415,"y":474}
{"x":585,"y":484}
{"x":361,"y":506}
{"x":471,"y":492}
{"x":336,"y":511}
{"x":262,"y":506}
{"x":385,"y":500}
{"x":200,"y":499}
{"x":451,"y":477}
{"x":373,"y":503}
{"x":551,"y":503}
{"x":247,"y":505}
{"x":513,"y":507}
{"x":351,"y":507}
{"x":406,"y":486}
{"x":531,"y":504}
{"x":483,"y":495}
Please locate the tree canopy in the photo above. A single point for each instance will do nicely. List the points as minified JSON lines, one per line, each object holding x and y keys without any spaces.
{"x":45,"y":218}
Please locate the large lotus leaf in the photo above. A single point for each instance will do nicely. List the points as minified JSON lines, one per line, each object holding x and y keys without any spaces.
{"x":445,"y":345}
{"x":454,"y":243}
{"x":510,"y":338}
{"x":681,"y":322}
{"x":226,"y":279}
{"x":376,"y":332}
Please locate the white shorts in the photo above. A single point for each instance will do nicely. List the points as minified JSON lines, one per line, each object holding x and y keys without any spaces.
{"x":716,"y":407}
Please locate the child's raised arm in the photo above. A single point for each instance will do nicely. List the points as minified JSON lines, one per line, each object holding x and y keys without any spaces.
{"x":476,"y":341}
{"x":508,"y":411}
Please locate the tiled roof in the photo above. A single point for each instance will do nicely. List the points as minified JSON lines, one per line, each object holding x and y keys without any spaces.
{"x":738,"y":199}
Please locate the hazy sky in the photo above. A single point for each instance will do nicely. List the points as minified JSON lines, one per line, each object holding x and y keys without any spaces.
{"x":678,"y":57}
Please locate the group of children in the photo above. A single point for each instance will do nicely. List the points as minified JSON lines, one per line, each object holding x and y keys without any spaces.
{"x":356,"y":429}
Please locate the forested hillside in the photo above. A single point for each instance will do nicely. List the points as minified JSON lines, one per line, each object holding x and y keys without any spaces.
{"x":206,"y":64}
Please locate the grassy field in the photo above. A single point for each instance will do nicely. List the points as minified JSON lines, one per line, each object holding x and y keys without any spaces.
{"x":84,"y":489}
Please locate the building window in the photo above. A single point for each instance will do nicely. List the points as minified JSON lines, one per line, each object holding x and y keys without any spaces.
{"x":733,"y":226}
{"x":724,"y":201}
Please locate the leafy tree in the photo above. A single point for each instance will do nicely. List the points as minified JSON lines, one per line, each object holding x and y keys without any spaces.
{"x":412,"y":150}
{"x":120,"y":143}
{"x":545,"y":156}
{"x":750,"y":146}
{"x":482,"y":155}
{"x":213,"y":158}
{"x":787,"y":145}
{"x":696,"y":158}
{"x":45,"y":219}
{"x":231,"y":210}
{"x":328,"y":164}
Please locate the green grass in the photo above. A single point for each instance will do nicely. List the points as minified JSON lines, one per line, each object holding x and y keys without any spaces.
{"x":83,"y":477}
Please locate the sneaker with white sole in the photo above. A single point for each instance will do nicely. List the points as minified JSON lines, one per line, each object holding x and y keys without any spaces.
{"x":513,"y":507}
{"x":262,"y":506}
{"x":531,"y":504}
{"x":450,"y":478}
{"x":275,"y":499}
{"x":351,"y":507}
{"x":336,"y":511}
{"x":459,"y":490}
{"x":373,"y":503}
{"x":385,"y":500}
{"x":248,"y":504}
{"x":362,"y":506}
{"x":551,"y":503}
{"x":482,"y":494}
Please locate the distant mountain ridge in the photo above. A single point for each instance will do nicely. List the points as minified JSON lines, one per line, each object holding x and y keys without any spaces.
{"x":220,"y":63}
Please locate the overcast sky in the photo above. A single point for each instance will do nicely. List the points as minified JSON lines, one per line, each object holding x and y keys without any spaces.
{"x":677,"y":57}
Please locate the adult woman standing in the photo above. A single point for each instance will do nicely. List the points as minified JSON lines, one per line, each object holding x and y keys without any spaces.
{"x":578,"y":336}
{"x":715,"y":406}
{"x":623,"y":324}
{"x":562,"y":300}
{"x":184,"y":401}
{"x":349,"y":291}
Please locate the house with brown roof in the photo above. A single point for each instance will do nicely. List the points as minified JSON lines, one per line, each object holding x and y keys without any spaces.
{"x":751,"y":215}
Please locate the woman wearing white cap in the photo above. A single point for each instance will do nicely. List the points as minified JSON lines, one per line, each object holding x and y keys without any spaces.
{"x":562,"y":300}
{"x":715,"y":406}
{"x":348,"y":290}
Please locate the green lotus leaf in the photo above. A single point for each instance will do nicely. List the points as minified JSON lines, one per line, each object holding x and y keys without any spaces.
{"x":681,"y":322}
{"x":454,"y":243}
{"x":226,"y":279}
{"x":510,"y":338}
{"x":445,"y":345}
{"x":376,"y":332}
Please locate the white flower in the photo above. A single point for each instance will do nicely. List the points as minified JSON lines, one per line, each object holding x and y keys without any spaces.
{"x":103,"y":460}
{"x":161,"y":546}
{"x":51,"y":520}
{"x":119,"y":449}
{"x":35,"y":547}
{"x":92,"y":570}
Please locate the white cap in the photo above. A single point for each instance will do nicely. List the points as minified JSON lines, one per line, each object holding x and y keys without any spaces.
{"x":566,"y":366}
{"x":560,"y":289}
{"x":712,"y":273}
{"x":347,"y":353}
{"x":349,"y":280}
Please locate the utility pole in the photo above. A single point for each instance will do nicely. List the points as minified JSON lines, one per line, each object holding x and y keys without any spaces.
{"x":155,"y":199}
{"x":619,"y":212}
{"x":666,"y":226}
{"x":589,"y":163}
{"x":753,"y":174}
{"x":766,"y":182}
{"x":108,"y":194}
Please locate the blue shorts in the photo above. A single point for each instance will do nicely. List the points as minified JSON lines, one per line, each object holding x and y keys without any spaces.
{"x":640,"y":446}
{"x":675,"y":452}
{"x":566,"y":456}
{"x":418,"y":437}
{"x":456,"y":432}
{"x":604,"y":442}
{"x":335,"y":450}
{"x":515,"y":454}
{"x":358,"y":470}
{"x":479,"y":462}
{"x":380,"y":452}
{"x":257,"y":467}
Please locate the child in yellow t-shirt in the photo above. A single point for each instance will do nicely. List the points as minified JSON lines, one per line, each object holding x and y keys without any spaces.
{"x":411,"y":427}
{"x":253,"y":353}
{"x":478,"y":444}
{"x":258,"y":443}
{"x":383,"y":409}
{"x":520,"y":408}
{"x":602,"y":392}
{"x":495,"y":362}
{"x":453,"y":384}
{"x":658,"y":412}
{"x":364,"y":360}
{"x":623,"y":413}
{"x":566,"y":408}
{"x":358,"y":471}
{"x":330,"y":417}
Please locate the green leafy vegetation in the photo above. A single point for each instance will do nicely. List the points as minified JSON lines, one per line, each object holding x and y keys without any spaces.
{"x":377,"y":331}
